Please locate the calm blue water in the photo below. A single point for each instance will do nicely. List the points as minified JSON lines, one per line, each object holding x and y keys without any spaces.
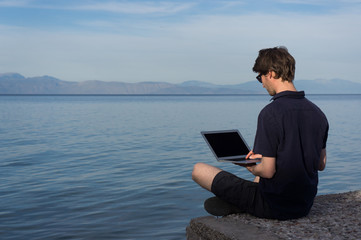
{"x":118,"y":167}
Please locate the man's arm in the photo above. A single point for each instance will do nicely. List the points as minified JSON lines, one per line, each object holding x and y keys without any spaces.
{"x":265,"y":169}
{"x":323,"y":159}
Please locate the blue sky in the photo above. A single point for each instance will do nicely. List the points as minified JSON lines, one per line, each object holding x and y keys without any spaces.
{"x":175,"y":41}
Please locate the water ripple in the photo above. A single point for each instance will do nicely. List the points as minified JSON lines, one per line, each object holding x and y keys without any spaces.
{"x":119,"y":167}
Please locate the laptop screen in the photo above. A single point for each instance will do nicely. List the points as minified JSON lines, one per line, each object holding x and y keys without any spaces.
{"x":226,"y":143}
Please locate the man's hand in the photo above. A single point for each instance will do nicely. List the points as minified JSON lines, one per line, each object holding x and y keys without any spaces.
{"x":252,"y":155}
{"x":250,"y":166}
{"x":266,"y":168}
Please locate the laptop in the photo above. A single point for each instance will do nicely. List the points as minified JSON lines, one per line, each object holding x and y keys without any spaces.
{"x":228,"y":146}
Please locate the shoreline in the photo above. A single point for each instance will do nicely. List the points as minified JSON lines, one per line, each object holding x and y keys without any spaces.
{"x":333,"y":216}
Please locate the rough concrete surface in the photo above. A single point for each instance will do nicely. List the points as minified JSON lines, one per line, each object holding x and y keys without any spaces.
{"x":333,"y":216}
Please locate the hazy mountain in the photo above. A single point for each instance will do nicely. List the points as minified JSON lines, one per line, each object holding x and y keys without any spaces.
{"x":14,"y":83}
{"x":333,"y":86}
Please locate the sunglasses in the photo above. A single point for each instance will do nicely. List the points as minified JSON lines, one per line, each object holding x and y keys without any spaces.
{"x":259,"y":78}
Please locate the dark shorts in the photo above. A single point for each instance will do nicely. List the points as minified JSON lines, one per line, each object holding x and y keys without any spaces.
{"x":241,"y":193}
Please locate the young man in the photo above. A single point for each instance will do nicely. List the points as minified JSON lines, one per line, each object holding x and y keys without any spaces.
{"x":291,"y":142}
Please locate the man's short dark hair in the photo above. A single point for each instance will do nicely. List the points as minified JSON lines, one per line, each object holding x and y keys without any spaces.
{"x":278,"y":60}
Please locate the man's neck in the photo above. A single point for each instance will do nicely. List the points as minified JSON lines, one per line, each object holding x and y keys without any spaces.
{"x":285,"y":86}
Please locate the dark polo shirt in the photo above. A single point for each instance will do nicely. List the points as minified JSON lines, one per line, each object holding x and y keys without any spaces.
{"x":294,"y":131}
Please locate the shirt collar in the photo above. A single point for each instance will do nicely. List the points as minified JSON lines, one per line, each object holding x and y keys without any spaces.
{"x":289,"y":94}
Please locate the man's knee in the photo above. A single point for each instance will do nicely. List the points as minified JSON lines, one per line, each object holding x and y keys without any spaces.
{"x":197,"y":169}
{"x":203,"y":174}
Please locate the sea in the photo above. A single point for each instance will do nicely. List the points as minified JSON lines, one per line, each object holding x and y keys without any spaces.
{"x":119,"y":166}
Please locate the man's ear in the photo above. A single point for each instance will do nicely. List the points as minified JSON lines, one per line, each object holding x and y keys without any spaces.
{"x":272,"y":74}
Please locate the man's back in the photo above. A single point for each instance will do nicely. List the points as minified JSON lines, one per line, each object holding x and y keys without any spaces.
{"x":294,"y":131}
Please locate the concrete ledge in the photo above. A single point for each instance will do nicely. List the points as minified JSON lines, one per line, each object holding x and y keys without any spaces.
{"x":333,"y":216}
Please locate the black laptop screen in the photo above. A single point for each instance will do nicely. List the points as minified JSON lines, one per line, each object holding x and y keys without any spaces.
{"x":227,"y":144}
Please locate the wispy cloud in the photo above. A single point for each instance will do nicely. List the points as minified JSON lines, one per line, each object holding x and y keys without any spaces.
{"x":305,"y":2}
{"x":315,"y":2}
{"x":15,"y":3}
{"x":230,"y":4}
{"x":127,"y":7}
{"x":324,"y":3}
{"x":137,"y":7}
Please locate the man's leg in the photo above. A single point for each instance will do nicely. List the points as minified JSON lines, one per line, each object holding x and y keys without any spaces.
{"x":234,"y":194}
{"x":203,"y":174}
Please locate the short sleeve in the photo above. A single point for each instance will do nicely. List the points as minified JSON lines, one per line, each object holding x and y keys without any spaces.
{"x":267,"y":135}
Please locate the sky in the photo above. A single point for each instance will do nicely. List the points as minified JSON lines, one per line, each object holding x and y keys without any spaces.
{"x":176,"y":41}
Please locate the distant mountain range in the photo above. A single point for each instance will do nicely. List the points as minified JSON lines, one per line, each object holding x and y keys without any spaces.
{"x":14,"y":83}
